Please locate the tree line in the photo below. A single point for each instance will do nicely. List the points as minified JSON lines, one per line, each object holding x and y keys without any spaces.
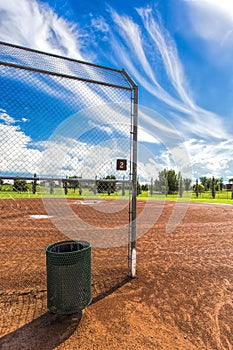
{"x":210,"y":184}
{"x":70,"y":183}
{"x":168,"y":182}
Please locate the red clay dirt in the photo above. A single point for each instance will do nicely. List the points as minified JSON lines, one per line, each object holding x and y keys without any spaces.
{"x":181,"y":298}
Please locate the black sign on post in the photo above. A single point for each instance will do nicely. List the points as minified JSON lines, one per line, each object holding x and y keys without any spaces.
{"x":121,"y":164}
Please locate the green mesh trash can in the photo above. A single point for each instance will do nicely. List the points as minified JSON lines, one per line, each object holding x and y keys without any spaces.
{"x":68,"y":266}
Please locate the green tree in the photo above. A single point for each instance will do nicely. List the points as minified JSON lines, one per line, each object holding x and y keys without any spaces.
{"x":216,"y":184}
{"x":208,"y":183}
{"x":213,"y":184}
{"x":51,"y":187}
{"x":161,"y":184}
{"x":197,"y":188}
{"x":151,"y":186}
{"x":95,"y":185}
{"x":20,"y":185}
{"x":34,"y":184}
{"x":123,"y":186}
{"x":74,"y":183}
{"x":107,"y":186}
{"x":220,"y":180}
{"x":231,"y":181}
{"x":180,"y":181}
{"x":145,"y":187}
{"x":187,"y":184}
{"x":1,"y":183}
{"x":171,"y":181}
{"x":65,"y":186}
{"x":139,"y":188}
{"x":80,"y":189}
{"x":204,"y":181}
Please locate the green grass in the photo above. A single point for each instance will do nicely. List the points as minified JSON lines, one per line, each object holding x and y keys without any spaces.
{"x":223,"y":197}
{"x":7,"y":193}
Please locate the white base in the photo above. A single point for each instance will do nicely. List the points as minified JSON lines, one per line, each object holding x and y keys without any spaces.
{"x":133,"y":269}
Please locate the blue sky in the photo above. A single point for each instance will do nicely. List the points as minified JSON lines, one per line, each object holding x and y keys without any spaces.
{"x":179,"y":52}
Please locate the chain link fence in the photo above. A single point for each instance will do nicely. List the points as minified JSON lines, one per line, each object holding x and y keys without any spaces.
{"x":68,"y":132}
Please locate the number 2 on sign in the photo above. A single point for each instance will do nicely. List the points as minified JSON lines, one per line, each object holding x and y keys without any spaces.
{"x":121,"y":164}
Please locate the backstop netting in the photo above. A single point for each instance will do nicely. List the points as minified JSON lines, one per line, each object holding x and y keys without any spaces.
{"x":68,"y":165}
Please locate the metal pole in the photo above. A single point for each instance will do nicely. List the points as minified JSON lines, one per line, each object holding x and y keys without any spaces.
{"x":132,"y":268}
{"x":134,"y":180}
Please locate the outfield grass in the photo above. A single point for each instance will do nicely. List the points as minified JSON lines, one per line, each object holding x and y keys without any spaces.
{"x":223,"y":197}
{"x":7,"y":193}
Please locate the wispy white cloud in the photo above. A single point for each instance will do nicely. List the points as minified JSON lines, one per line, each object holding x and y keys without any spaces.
{"x":34,"y":24}
{"x":212,"y":20}
{"x":100,"y":24}
{"x":213,"y":153}
{"x":134,"y":56}
{"x":131,"y":33}
{"x":138,"y":58}
{"x":169,"y":54}
{"x":203,"y":124}
{"x":140,"y":75}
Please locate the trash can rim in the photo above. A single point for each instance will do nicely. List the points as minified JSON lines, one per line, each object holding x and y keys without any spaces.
{"x":49,"y":247}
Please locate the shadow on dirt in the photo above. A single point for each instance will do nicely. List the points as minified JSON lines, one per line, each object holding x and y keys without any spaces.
{"x":111,"y":290}
{"x":46,"y":332}
{"x":50,"y":330}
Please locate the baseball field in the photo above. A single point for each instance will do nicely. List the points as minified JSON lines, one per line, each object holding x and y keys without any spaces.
{"x":180,"y":299}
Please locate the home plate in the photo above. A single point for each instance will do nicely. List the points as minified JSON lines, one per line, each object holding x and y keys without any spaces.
{"x":88,"y":201}
{"x":41,"y":216}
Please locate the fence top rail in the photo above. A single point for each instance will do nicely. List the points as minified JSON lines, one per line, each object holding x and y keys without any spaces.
{"x":30,"y":59}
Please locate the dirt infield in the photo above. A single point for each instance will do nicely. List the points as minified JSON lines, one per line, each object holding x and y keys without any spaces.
{"x":182,"y":297}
